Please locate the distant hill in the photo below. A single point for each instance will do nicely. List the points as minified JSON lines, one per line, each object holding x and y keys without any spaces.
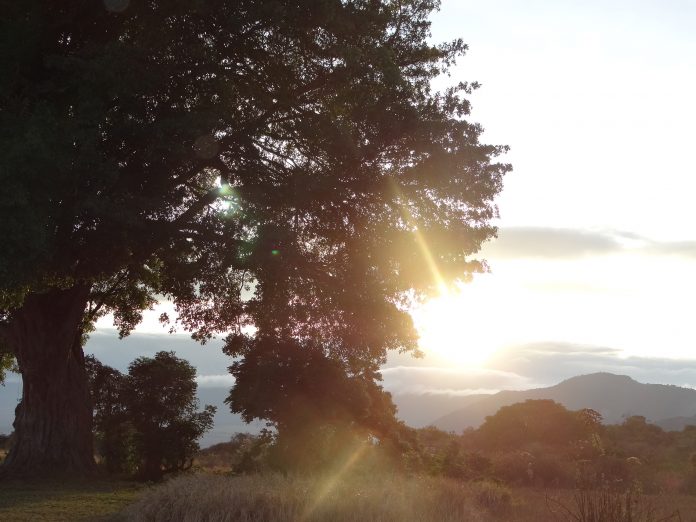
{"x":614,"y":396}
{"x":419,"y":410}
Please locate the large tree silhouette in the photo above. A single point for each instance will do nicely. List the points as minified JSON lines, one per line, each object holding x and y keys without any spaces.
{"x":283,"y":164}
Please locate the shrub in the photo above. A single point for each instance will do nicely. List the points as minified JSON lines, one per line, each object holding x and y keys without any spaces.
{"x":492,"y":495}
{"x":515,"y":468}
{"x":551,"y":471}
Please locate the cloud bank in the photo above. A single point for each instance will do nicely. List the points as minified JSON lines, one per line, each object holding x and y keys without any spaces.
{"x":437,"y":380}
{"x":532,"y":365}
{"x":568,"y":243}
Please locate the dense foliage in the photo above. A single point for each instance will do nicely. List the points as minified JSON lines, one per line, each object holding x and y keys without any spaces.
{"x":148,"y":421}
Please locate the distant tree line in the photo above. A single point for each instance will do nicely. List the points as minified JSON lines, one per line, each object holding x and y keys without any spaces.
{"x":537,"y":443}
{"x":541,"y":443}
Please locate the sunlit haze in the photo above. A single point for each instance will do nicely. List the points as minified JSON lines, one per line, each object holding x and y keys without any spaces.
{"x":597,"y":244}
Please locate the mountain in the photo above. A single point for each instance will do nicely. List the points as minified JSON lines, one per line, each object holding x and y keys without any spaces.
{"x":614,"y":396}
{"x":419,"y":410}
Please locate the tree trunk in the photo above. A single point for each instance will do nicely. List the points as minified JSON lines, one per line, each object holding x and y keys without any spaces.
{"x":53,"y":422}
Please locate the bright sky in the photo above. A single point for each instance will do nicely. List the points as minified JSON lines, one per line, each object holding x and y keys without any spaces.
{"x":597,"y":244}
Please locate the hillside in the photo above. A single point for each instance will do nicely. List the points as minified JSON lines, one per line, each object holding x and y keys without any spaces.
{"x":614,"y":396}
{"x":419,"y":410}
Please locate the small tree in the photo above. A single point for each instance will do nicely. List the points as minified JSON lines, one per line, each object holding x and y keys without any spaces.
{"x":534,"y":421}
{"x":148,"y":417}
{"x":160,"y":400}
{"x":319,"y":406}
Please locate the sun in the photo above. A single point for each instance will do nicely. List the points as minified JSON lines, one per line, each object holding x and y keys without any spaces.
{"x":463,"y":327}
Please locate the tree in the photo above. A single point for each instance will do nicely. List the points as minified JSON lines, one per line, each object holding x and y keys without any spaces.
{"x":112,"y":428}
{"x":534,"y":421}
{"x":160,"y":400}
{"x":280,"y":164}
{"x":149,"y":417}
{"x":316,"y":407}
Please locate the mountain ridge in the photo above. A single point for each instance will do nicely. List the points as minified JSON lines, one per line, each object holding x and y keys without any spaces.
{"x":614,"y":396}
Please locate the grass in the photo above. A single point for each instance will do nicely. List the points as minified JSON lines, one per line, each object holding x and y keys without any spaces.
{"x":366,"y":498}
{"x":605,"y":505}
{"x":56,"y":501}
{"x":273,"y":497}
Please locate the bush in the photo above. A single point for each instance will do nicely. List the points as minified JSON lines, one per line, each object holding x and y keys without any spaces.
{"x":516,"y":468}
{"x":244,"y":453}
{"x":551,"y":471}
{"x":492,"y":496}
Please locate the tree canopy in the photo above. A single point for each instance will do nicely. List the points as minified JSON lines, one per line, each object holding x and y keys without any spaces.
{"x":280,"y":165}
{"x":537,"y":421}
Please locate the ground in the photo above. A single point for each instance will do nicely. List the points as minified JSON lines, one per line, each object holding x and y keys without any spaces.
{"x":384,"y":498}
{"x":58,"y":501}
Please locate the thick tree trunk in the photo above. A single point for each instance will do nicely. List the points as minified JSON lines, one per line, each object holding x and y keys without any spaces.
{"x":53,"y":422}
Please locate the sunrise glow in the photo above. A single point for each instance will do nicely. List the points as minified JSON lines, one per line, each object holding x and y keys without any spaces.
{"x":459,"y":326}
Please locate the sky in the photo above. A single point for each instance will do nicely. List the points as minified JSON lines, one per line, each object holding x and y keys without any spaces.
{"x":594,"y":268}
{"x":596,"y":244}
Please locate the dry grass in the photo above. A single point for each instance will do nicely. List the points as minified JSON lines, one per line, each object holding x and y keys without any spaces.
{"x":278,"y":498}
{"x":256,"y":498}
{"x":605,"y":505}
{"x":364,"y":498}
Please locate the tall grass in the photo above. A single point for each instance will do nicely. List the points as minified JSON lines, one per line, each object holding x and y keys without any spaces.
{"x":605,"y":505}
{"x":261,"y":498}
{"x":383,"y":497}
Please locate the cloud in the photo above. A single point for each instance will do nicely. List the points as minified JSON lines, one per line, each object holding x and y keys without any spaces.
{"x":674,"y":248}
{"x":532,"y":365}
{"x":551,"y":363}
{"x":550,"y":243}
{"x":569,"y":243}
{"x":420,"y":380}
{"x":215,"y":381}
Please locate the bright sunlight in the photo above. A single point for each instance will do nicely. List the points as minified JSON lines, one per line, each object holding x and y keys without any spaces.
{"x":462,"y":327}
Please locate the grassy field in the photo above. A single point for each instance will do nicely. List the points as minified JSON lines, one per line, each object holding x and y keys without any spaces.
{"x":271,"y":498}
{"x":60,"y":501}
{"x":383,"y":498}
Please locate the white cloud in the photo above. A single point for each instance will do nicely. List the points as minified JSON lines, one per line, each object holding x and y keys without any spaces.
{"x":422,"y":380}
{"x":215,"y":381}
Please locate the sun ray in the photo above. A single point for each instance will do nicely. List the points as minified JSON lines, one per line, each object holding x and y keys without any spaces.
{"x":331,"y":483}
{"x":425,"y":251}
